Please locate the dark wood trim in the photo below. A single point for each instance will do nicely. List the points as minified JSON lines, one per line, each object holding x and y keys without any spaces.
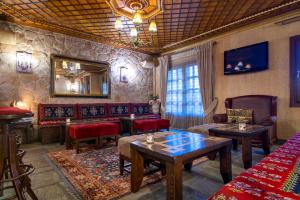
{"x":293,"y":72}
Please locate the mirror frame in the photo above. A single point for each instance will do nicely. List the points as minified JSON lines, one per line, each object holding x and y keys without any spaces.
{"x":52,"y":77}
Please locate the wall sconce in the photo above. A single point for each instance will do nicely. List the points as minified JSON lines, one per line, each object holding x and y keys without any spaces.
{"x":123,"y":74}
{"x":24,"y":62}
{"x":20,"y":104}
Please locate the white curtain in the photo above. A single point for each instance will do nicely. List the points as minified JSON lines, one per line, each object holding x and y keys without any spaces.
{"x":204,"y":60}
{"x":164,"y":65}
{"x":182,"y":69}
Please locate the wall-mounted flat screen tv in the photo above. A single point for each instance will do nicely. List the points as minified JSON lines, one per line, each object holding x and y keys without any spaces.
{"x":246,"y":59}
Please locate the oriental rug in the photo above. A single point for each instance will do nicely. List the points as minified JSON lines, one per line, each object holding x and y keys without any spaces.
{"x":95,"y":173}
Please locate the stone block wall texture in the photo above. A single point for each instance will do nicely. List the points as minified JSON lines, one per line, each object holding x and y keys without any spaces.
{"x":34,"y":88}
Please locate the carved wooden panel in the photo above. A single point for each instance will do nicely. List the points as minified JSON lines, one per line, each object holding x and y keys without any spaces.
{"x":295,"y":71}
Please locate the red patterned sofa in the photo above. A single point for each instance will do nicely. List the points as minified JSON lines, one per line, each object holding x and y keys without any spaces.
{"x":276,"y":177}
{"x":51,"y":117}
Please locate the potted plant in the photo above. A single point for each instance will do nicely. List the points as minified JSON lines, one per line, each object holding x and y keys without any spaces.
{"x":155,"y":103}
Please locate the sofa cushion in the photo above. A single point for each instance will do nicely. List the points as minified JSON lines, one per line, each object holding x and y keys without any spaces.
{"x":119,"y":109}
{"x":14,"y":111}
{"x":87,"y":111}
{"x":275,"y":177}
{"x":141,"y":109}
{"x":239,"y":115}
{"x":84,"y":131}
{"x":56,"y":112}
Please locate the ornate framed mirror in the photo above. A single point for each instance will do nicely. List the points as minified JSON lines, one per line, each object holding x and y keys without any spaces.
{"x":71,"y":77}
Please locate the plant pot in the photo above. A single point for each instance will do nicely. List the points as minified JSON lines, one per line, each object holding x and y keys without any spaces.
{"x":155,"y":108}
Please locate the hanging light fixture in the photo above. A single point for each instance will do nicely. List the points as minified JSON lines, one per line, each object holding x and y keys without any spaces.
{"x":133,"y":32}
{"x":136,"y":11}
{"x":153,"y":27}
{"x":137,"y":18}
{"x":118,"y":24}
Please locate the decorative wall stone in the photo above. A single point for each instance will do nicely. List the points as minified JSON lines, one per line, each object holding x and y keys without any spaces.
{"x":34,"y":88}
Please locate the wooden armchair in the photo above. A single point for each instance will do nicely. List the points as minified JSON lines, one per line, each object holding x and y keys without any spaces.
{"x":264,"y":111}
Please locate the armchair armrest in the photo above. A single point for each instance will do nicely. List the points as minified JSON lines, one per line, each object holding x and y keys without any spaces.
{"x":220,"y":118}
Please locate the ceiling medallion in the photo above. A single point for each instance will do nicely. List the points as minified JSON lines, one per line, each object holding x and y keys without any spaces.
{"x":136,"y":4}
{"x":137,"y":11}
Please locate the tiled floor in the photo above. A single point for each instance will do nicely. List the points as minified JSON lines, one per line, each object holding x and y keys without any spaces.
{"x":204,"y":180}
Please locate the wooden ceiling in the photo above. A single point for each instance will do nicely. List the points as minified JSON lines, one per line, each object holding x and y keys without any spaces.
{"x":183,"y":22}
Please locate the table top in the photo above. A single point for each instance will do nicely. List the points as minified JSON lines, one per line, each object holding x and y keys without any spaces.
{"x":234,"y":129}
{"x":184,"y":145}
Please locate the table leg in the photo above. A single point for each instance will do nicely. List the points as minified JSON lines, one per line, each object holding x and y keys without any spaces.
{"x":174,"y":180}
{"x":67,"y":138}
{"x":137,"y":170}
{"x":247,"y":152}
{"x":266,"y":142}
{"x":131,"y":129}
{"x":61,"y":135}
{"x":234,"y":144}
{"x":225,"y":163}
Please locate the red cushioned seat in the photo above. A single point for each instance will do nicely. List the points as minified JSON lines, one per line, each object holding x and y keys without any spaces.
{"x":163,"y":124}
{"x":144,"y":125}
{"x":83,"y":131}
{"x":14,"y":111}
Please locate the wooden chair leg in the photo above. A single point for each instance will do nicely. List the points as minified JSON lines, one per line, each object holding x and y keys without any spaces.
{"x":117,"y":139}
{"x":121,"y":165}
{"x":99,"y":143}
{"x":77,"y":146}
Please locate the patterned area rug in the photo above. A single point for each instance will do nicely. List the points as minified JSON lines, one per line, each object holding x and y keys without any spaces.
{"x":95,"y":173}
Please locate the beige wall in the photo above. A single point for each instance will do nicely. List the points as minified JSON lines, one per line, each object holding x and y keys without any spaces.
{"x":274,"y":81}
{"x":34,"y":88}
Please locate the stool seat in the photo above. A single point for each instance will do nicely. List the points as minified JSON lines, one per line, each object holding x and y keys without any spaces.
{"x":144,"y":125}
{"x":163,"y":124}
{"x":81,"y":131}
{"x":204,"y":128}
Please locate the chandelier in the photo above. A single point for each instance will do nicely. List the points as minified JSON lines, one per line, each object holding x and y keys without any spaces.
{"x":137,"y":11}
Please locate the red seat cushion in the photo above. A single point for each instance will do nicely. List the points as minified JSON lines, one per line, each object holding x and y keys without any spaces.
{"x":82,"y":131}
{"x":163,"y":123}
{"x":145,"y":125}
{"x":14,"y":111}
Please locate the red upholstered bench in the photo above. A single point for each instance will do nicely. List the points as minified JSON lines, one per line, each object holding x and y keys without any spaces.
{"x":82,"y":132}
{"x":147,"y":125}
{"x":163,"y":124}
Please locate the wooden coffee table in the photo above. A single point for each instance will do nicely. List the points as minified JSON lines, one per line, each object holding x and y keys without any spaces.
{"x":246,"y":136}
{"x":175,"y":151}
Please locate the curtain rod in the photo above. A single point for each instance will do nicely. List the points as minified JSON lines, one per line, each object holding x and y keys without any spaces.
{"x":185,"y":49}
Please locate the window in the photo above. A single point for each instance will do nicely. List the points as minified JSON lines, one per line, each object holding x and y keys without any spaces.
{"x":183,"y":92}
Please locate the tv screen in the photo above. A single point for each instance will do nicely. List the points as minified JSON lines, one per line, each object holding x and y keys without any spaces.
{"x":246,"y":59}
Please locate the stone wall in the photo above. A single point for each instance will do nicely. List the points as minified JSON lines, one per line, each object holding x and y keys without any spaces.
{"x":34,"y":88}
